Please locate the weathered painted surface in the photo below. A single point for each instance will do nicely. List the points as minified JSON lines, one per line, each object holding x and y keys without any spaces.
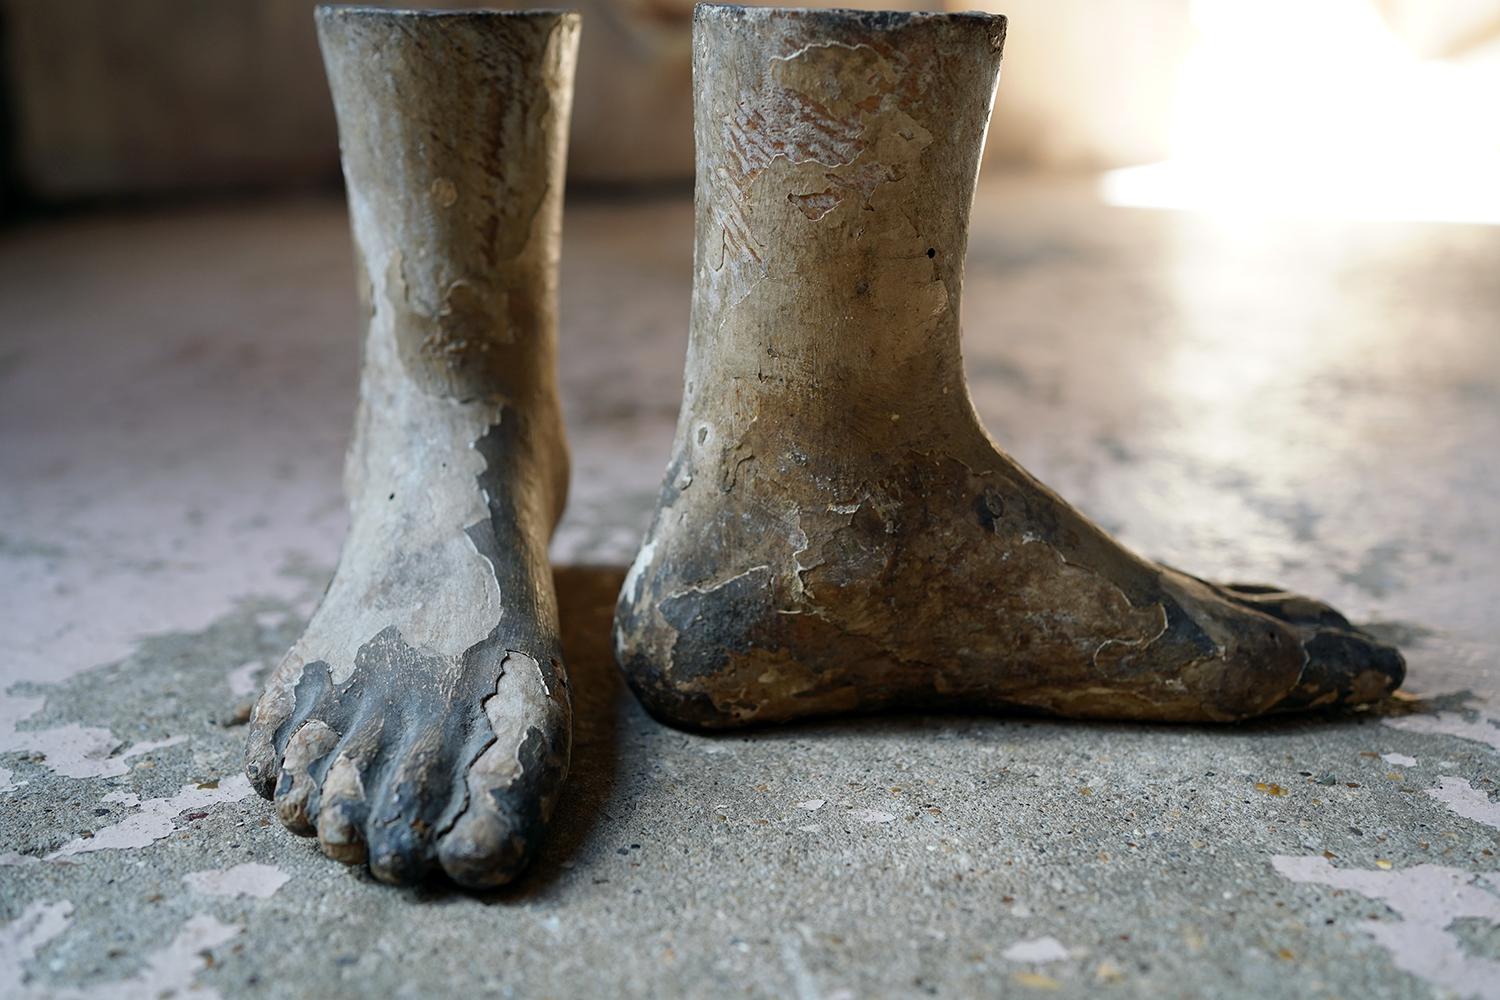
{"x":168,"y":971}
{"x":155,"y":818}
{"x":1309,"y":403}
{"x":837,"y":532}
{"x":255,"y":880}
{"x":422,"y":722}
{"x":1037,"y":951}
{"x":1429,"y":900}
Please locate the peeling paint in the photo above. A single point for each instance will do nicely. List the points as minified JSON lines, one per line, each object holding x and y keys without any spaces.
{"x":1467,"y":801}
{"x":168,"y":972}
{"x":1151,"y":386}
{"x":1429,"y":899}
{"x":23,"y":937}
{"x":241,"y":679}
{"x":817,"y":204}
{"x":1480,"y":729}
{"x":1036,"y":950}
{"x":804,"y":983}
{"x":157,"y":817}
{"x":72,"y":751}
{"x":254,"y":880}
{"x":15,"y":859}
{"x":633,"y":577}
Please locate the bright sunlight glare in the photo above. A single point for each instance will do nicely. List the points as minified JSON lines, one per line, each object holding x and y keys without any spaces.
{"x":1315,"y":107}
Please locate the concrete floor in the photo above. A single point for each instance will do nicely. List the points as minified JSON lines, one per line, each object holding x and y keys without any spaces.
{"x":1316,"y":404}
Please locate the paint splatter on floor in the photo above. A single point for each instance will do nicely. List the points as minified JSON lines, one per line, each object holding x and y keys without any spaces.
{"x":1467,"y":801}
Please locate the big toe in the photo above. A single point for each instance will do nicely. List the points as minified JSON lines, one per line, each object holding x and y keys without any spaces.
{"x":1344,"y":667}
{"x":486,"y":848}
{"x":512,"y":791}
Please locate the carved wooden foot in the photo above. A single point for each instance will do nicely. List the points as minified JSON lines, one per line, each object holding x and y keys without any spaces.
{"x":423,"y":721}
{"x":836,"y":531}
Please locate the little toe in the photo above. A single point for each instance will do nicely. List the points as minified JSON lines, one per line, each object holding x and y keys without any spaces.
{"x":296,"y":789}
{"x":1344,"y":668}
{"x":342,"y":811}
{"x":262,"y":762}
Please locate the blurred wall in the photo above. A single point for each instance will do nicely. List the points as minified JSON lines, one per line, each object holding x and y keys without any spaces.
{"x":149,"y":97}
{"x":1088,"y":84}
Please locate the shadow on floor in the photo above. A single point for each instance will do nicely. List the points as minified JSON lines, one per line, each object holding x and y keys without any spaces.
{"x":586,"y":601}
{"x":586,"y":606}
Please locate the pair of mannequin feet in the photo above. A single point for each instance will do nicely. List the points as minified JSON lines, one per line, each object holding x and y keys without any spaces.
{"x":836,"y":531}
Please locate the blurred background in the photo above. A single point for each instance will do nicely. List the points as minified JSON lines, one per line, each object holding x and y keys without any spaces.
{"x":1363,"y":107}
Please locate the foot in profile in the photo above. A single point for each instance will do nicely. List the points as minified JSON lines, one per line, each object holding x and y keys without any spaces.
{"x":836,"y":532}
{"x":422,"y":723}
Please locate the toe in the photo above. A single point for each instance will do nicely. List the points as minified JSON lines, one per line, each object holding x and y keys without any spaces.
{"x":1343,"y":665}
{"x":513,"y":786}
{"x":260,"y":761}
{"x":510,"y":789}
{"x":414,"y":793}
{"x":295,"y":790}
{"x":399,"y":849}
{"x":1252,"y":588}
{"x":486,"y":848}
{"x":262,"y":765}
{"x":342,"y":811}
{"x":1344,"y":668}
{"x":1292,"y":608}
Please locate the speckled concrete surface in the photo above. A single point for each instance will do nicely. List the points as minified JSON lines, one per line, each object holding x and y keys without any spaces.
{"x":1311,"y":403}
